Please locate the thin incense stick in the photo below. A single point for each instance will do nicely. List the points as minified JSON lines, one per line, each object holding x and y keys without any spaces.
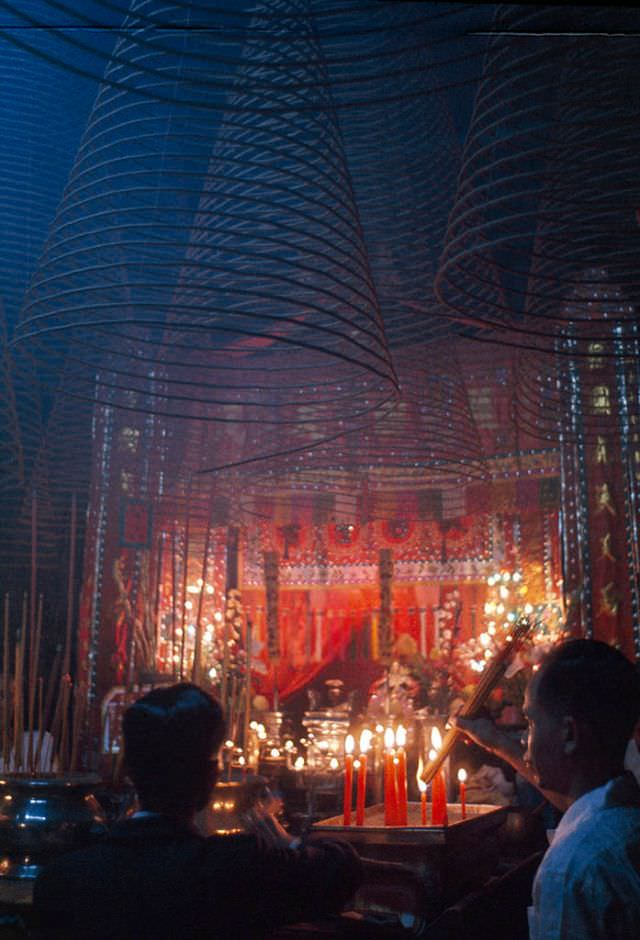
{"x":78,"y":710}
{"x":70,"y":585}
{"x":34,"y":656}
{"x":6,"y":749}
{"x":185,"y":572}
{"x":17,"y":700}
{"x":51,"y":687}
{"x":41,"y":731}
{"x":34,"y":560}
{"x":21,"y":648}
{"x":174,"y":585}
{"x":156,"y":602}
{"x":57,"y":720}
{"x":247,"y":690}
{"x":64,"y":734}
{"x":197,"y":647}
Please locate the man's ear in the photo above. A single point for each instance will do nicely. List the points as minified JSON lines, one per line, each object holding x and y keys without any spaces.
{"x":569,"y":735}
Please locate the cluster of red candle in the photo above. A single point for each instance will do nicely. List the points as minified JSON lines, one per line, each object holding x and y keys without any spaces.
{"x":395,"y":780}
{"x":395,"y":777}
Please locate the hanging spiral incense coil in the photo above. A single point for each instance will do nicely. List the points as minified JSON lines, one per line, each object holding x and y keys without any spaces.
{"x":210,"y":263}
{"x":547,"y":190}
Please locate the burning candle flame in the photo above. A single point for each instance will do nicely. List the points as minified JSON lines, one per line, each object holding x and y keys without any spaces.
{"x":436,"y":738}
{"x":401,"y":736}
{"x":421,"y":784}
{"x":349,"y":744}
{"x":462,"y":775}
{"x":389,"y":738}
{"x":365,"y":740}
{"x":432,"y":754}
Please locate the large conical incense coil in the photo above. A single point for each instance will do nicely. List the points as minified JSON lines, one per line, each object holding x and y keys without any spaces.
{"x":208,"y":262}
{"x":547,"y":190}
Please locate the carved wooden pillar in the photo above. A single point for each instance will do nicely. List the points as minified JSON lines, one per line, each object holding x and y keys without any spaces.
{"x":271,"y":563}
{"x":233,"y":573}
{"x":385,"y":566}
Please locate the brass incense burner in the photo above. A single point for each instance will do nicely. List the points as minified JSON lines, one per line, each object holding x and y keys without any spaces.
{"x":42,"y":817}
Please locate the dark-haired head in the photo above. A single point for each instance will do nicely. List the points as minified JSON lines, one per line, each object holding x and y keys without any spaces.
{"x":172,"y":737}
{"x":583,"y":706}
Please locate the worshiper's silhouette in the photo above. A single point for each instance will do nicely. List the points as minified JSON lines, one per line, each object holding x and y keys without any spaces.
{"x":582,"y":707}
{"x":155,"y":877}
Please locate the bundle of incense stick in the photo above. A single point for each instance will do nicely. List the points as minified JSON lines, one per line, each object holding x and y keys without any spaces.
{"x":490,"y":678}
{"x":41,"y":721}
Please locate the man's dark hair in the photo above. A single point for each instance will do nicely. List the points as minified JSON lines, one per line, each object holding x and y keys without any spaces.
{"x":171,"y":737}
{"x":598,"y":686}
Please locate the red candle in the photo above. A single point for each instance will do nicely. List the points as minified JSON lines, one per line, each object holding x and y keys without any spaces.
{"x":462,"y":780}
{"x":390,"y":796}
{"x":422,"y":787}
{"x":438,"y":801}
{"x":438,"y":787}
{"x":361,"y":786}
{"x":401,"y":775}
{"x":435,"y":792}
{"x":444,"y":817}
{"x":348,"y":779}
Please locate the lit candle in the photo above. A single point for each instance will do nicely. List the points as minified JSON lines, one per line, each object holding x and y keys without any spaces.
{"x":401,"y":775}
{"x":462,"y":780}
{"x":422,"y":787}
{"x":390,"y":798}
{"x":434,"y":783}
{"x":365,"y":741}
{"x":438,"y":787}
{"x":349,"y":745}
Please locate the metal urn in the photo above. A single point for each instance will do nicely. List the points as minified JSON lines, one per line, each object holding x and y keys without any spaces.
{"x":43,"y":816}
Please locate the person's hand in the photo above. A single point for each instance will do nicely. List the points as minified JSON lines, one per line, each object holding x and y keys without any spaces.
{"x":267,"y":827}
{"x":481,"y":731}
{"x":270,"y":804}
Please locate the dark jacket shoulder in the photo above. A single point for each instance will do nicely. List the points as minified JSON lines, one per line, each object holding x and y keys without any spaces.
{"x":153,"y":876}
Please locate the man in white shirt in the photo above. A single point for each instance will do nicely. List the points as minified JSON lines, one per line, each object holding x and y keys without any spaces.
{"x":582,"y":707}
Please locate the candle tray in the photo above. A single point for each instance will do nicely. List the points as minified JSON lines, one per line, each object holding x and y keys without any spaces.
{"x":418,"y":869}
